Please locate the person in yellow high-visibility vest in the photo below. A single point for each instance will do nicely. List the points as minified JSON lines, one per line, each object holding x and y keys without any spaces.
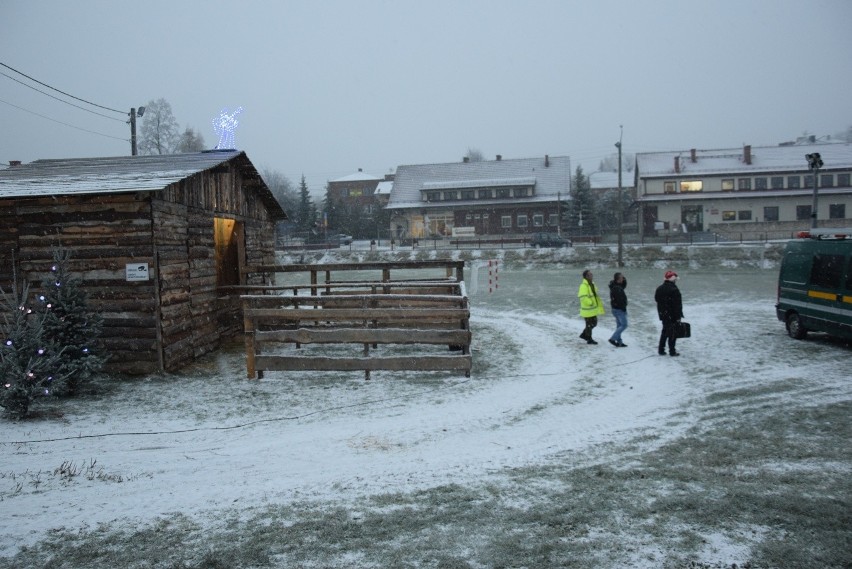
{"x":591,"y":305}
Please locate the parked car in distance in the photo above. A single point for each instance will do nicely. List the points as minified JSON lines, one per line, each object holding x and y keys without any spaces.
{"x":344,"y":239}
{"x":549,"y":240}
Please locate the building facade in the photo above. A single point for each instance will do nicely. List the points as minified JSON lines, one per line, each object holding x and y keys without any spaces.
{"x":768,"y":187}
{"x":483,"y":198}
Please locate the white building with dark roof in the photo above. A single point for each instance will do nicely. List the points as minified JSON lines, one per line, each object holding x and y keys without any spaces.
{"x":768,"y":187}
{"x":490,"y":197}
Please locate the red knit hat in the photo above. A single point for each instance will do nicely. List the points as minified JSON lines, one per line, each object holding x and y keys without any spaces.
{"x":670,"y":275}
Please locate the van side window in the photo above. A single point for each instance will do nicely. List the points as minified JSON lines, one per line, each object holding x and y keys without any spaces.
{"x":827,"y":270}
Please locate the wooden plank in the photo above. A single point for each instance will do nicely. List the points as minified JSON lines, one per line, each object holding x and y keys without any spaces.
{"x":396,"y":363}
{"x":348,"y":314}
{"x":365,"y":336}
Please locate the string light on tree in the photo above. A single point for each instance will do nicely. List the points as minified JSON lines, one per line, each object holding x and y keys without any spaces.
{"x":224,"y":125}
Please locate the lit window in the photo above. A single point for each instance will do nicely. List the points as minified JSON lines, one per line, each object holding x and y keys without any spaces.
{"x":691,"y":186}
{"x":729,"y":216}
{"x":728,"y":185}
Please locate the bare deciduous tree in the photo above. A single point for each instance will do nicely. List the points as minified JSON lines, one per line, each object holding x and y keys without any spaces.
{"x":159,"y":132}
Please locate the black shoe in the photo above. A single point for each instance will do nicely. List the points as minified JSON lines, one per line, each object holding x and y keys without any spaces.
{"x":674,"y":353}
{"x":583,"y":336}
{"x":590,"y":341}
{"x":621,"y":345}
{"x":613,"y":342}
{"x":661,"y":352}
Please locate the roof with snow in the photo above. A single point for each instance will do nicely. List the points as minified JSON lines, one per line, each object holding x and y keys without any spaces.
{"x":550,"y":177}
{"x":358,"y":176}
{"x":384,"y":188}
{"x":123,"y":174}
{"x":764,"y":159}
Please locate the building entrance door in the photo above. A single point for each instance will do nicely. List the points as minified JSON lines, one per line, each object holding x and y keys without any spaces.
{"x":692,"y":216}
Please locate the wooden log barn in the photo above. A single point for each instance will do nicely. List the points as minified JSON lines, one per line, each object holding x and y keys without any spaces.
{"x":156,"y":240}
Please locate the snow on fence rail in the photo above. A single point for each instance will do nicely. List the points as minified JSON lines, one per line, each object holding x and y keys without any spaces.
{"x":336,"y":316}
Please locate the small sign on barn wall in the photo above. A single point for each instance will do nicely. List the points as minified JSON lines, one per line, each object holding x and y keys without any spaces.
{"x":136,"y":271}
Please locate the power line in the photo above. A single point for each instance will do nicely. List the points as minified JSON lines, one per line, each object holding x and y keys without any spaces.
{"x":60,"y":100}
{"x":62,"y":123}
{"x":58,"y":91}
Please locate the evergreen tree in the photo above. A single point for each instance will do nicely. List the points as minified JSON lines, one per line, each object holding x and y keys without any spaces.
{"x":582,"y":219}
{"x":28,"y":363}
{"x":306,"y":215}
{"x":69,"y":324}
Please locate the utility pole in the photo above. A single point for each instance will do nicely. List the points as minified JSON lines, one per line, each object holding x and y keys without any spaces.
{"x":620,"y":203}
{"x":132,"y":121}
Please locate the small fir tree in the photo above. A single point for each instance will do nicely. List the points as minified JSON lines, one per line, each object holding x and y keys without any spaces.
{"x":28,"y":362}
{"x":70,"y":325}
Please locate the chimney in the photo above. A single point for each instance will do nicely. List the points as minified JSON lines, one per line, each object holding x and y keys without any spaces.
{"x":677,"y":164}
{"x":499,"y":157}
{"x":692,"y":156}
{"x":13,"y":163}
{"x":360,"y":170}
{"x":747,"y":154}
{"x":546,"y":161}
{"x":466,"y":159}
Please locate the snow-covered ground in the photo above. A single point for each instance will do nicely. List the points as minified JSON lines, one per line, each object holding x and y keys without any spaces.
{"x":207,"y":441}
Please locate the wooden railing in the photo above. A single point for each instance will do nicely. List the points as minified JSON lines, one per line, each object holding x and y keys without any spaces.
{"x":345,"y":322}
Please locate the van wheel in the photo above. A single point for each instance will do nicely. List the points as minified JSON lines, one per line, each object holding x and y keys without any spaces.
{"x":795,"y":327}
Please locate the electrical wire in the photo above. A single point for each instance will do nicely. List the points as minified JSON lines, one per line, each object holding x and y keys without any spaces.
{"x":60,"y":100}
{"x":64,"y":123}
{"x":63,"y":92}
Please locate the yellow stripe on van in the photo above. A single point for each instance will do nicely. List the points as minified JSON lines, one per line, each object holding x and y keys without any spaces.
{"x":822,"y":295}
{"x":847,"y":299}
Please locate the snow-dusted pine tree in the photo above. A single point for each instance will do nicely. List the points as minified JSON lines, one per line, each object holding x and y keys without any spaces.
{"x":28,"y":362}
{"x":70,"y":325}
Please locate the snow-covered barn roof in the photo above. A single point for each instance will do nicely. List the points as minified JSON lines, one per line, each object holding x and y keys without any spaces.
{"x":745,"y":160}
{"x":384,"y":188}
{"x":550,"y":176}
{"x":121,"y":174}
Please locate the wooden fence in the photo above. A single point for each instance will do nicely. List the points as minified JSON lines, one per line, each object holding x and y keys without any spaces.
{"x":345,"y":321}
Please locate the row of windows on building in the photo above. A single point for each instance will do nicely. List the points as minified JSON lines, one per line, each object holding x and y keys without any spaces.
{"x":520,"y":221}
{"x":793,"y":182}
{"x":477,"y":194}
{"x":770,"y":213}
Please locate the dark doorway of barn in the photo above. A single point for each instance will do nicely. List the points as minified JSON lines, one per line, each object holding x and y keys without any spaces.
{"x":230,"y":250}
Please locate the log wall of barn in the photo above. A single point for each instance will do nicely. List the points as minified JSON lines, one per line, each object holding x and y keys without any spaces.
{"x":102,"y":234}
{"x":177,"y":315}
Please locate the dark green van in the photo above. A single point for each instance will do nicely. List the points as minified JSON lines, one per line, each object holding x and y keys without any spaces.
{"x":815,"y":284}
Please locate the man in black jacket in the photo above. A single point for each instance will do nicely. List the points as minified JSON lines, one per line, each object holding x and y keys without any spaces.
{"x":670,"y":310}
{"x":618,"y":302}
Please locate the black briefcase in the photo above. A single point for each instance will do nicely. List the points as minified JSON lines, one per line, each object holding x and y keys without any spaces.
{"x":682,"y":330}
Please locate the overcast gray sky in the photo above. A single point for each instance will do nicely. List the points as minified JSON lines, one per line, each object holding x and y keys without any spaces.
{"x":328,"y":87}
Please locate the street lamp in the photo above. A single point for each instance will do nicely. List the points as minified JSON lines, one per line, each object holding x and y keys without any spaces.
{"x":620,"y":204}
{"x":814,"y":163}
{"x":133,"y":114}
